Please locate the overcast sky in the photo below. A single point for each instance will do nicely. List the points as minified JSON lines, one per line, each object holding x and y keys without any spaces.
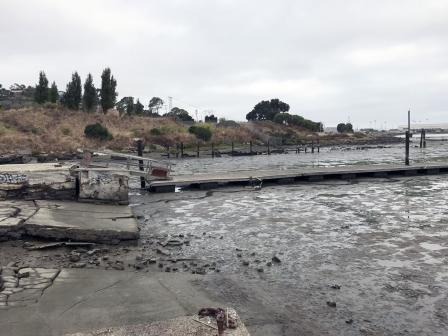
{"x":329,"y":60}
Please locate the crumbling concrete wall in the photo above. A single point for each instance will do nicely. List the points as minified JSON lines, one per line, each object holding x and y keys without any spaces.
{"x":105,"y":186}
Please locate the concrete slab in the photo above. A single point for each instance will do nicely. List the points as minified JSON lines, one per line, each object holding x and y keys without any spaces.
{"x":82,"y":221}
{"x":81,"y":300}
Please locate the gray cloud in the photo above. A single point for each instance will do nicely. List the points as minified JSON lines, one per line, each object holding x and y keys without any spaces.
{"x":330,"y":60}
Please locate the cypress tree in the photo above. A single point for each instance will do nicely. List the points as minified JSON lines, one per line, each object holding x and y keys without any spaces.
{"x":89,"y":99}
{"x":72,"y":96}
{"x":41,"y":92}
{"x":108,"y":94}
{"x":138,"y":108}
{"x":54,"y":93}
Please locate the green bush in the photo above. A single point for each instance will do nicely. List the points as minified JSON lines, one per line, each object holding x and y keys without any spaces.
{"x":66,"y":131}
{"x":201,"y":132}
{"x":97,"y":131}
{"x":155,"y":131}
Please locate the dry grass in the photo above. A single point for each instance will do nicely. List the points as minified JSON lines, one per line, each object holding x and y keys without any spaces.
{"x":60,"y":130}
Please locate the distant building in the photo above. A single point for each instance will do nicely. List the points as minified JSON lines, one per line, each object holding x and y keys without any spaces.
{"x":441,"y":127}
{"x":331,"y":129}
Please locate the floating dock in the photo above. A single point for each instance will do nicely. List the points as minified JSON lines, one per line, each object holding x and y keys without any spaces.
{"x":288,"y":176}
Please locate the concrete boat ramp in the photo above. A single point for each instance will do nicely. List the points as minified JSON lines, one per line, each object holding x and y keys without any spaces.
{"x":309,"y":174}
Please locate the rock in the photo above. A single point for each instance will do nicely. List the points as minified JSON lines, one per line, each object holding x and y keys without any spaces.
{"x":138,"y":266}
{"x":245,"y":263}
{"x":167,"y":269}
{"x":160,"y":265}
{"x":22,"y":275}
{"x":269,"y":264}
{"x":162,"y":251}
{"x":260,"y":270}
{"x":349,"y":321}
{"x":239,"y":255}
{"x":81,"y":251}
{"x":335,"y":286}
{"x":150,"y":261}
{"x":106,"y":257}
{"x":238,"y":249}
{"x":79,"y":265}
{"x":276,"y":259}
{"x":252,"y":254}
{"x":138,"y":258}
{"x":118,"y":267}
{"x":73,"y":257}
{"x":331,"y":304}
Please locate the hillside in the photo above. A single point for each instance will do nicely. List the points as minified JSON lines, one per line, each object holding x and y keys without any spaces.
{"x":58,"y":130}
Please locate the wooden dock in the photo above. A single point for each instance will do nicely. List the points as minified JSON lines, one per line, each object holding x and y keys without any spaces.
{"x":288,"y":176}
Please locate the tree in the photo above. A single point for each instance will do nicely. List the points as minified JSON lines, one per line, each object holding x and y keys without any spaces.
{"x":154,"y":105}
{"x":73,"y":93}
{"x":266,"y":110}
{"x":54,"y":93}
{"x":108,"y":90}
{"x":41,"y":92}
{"x":344,"y":128}
{"x":89,"y":99}
{"x":138,"y":108}
{"x":179,"y":114}
{"x":211,"y":119}
{"x":126,"y":105}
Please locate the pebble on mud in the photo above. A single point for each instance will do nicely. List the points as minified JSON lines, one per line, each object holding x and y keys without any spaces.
{"x":73,"y":257}
{"x":245,"y":263}
{"x":331,"y":304}
{"x":276,"y":259}
{"x":260,"y":270}
{"x":335,"y":286}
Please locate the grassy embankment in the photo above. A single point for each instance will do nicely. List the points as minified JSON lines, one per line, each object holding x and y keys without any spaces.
{"x":41,"y":130}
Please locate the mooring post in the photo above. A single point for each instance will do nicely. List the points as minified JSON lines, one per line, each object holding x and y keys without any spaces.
{"x":305,"y":149}
{"x":406,"y":159}
{"x":298,"y":150}
{"x":318,"y":145}
{"x":233,"y":149}
{"x":424,"y":138}
{"x":269,"y":148}
{"x":168,"y":151}
{"x":250,"y":147}
{"x":140,"y":147}
{"x":197,"y":149}
{"x":213,"y":150}
{"x":181,"y":150}
{"x":421,"y":138}
{"x":312,"y":146}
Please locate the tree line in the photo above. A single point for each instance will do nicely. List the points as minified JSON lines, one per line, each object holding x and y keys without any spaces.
{"x":73,"y":98}
{"x":277,"y":111}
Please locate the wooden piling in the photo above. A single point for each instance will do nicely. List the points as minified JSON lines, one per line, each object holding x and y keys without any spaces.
{"x":424,"y":138}
{"x":168,"y":151}
{"x":197,"y":149}
{"x":181,"y":149}
{"x":233,"y":149}
{"x":250,"y":148}
{"x":213,"y":150}
{"x":312,"y":146}
{"x":140,"y":147}
{"x":269,"y":148}
{"x":406,"y":159}
{"x":421,"y":138}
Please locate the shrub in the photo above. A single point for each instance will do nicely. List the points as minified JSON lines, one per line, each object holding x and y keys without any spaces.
{"x":97,"y":131}
{"x":201,"y":132}
{"x":66,"y":131}
{"x":155,"y":131}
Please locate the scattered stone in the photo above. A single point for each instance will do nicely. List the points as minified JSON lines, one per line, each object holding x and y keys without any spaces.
{"x":331,"y":304}
{"x":269,"y":264}
{"x":239,"y":255}
{"x":118,"y":267}
{"x":260,"y":270}
{"x":167,"y":269}
{"x":276,"y":259}
{"x":74,"y":257}
{"x":79,"y":265}
{"x":106,"y":257}
{"x":349,"y":321}
{"x":335,"y":286}
{"x":163,"y":251}
{"x":245,"y":263}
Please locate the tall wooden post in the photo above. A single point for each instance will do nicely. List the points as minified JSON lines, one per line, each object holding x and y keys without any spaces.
{"x":233,"y":149}
{"x":140,"y":147}
{"x":424,"y":138}
{"x":406,"y":159}
{"x":269,"y":148}
{"x":213,"y":150}
{"x":168,"y":151}
{"x":312,"y":146}
{"x":250,"y":147}
{"x":197,"y":150}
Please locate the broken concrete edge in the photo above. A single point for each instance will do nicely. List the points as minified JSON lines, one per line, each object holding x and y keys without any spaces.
{"x":21,"y":286}
{"x":19,"y":227}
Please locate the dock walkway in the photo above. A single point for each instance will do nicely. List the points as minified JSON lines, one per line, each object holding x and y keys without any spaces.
{"x":311,"y":174}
